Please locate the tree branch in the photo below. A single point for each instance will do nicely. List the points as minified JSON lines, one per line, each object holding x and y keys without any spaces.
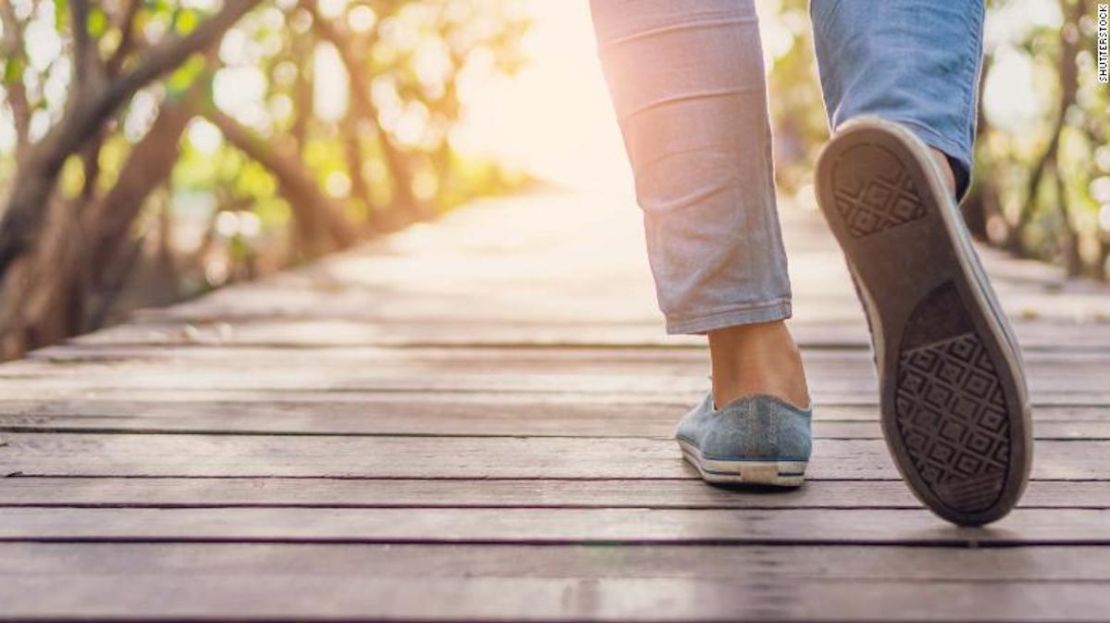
{"x":360,"y":95}
{"x":125,"y":22}
{"x":171,"y":53}
{"x":88,"y":69}
{"x":303,"y":88}
{"x":23,"y":218}
{"x":108,"y":222}
{"x":1069,"y":86}
{"x":320,"y":219}
{"x":16,"y":92}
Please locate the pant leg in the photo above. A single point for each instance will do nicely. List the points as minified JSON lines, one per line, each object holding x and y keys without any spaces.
{"x":687,"y":82}
{"x":916,"y":62}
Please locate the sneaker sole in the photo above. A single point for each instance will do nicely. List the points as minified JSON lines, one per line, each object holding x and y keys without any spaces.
{"x":722,"y":471}
{"x":954,"y":406}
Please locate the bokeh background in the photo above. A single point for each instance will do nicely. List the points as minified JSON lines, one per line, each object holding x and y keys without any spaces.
{"x":161,"y":149}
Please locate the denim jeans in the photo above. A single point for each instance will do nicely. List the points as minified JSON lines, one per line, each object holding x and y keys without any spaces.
{"x":687,"y":82}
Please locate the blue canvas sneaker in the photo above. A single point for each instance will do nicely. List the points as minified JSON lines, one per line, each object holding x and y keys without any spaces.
{"x":759,"y":440}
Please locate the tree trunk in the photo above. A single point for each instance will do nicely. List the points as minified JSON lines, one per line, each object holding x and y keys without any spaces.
{"x":303,"y":89}
{"x":399,"y":172}
{"x":320,"y":222}
{"x":1103,"y":257}
{"x":45,"y":297}
{"x":37,"y":305}
{"x":90,"y":104}
{"x":110,"y":220}
{"x":1069,"y":86}
{"x":1069,"y":237}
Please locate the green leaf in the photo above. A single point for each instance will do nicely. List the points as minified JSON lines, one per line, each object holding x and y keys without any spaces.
{"x":61,"y":14}
{"x":98,"y":22}
{"x":185,"y":21}
{"x":14,"y":68}
{"x":183,"y":77}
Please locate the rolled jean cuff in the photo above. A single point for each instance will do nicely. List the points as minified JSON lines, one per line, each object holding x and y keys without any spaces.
{"x":959,"y":156}
{"x":729,"y":317}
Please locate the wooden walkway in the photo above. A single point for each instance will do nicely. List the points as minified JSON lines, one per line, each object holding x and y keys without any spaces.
{"x":472,"y":419}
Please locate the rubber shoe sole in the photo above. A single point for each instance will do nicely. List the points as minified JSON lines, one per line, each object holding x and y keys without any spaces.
{"x":953,"y":401}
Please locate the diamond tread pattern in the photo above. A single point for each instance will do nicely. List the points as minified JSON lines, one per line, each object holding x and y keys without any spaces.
{"x":880,"y":201}
{"x":951,"y":417}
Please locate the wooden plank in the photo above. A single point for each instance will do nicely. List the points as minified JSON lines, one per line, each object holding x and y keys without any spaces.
{"x":455,"y":408}
{"x":550,"y":599}
{"x":510,"y":331}
{"x":65,"y":454}
{"x":684,"y":391}
{"x":335,"y":418}
{"x":676,"y":360}
{"x":1054,"y":380}
{"x":682,"y":400}
{"x":526,"y":369}
{"x":370,"y":277}
{"x":694,"y":358}
{"x":294,"y":297}
{"x":547,"y":583}
{"x":1024,"y":288}
{"x":548,"y":525}
{"x":298,"y":299}
{"x":425,"y":493}
{"x":678,"y":402}
{"x":1057,"y":406}
{"x":1086,"y":379}
{"x":414,"y":561}
{"x":395,"y":457}
{"x":445,"y":419}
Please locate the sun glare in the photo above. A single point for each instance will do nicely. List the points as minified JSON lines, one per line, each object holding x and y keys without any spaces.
{"x":553,"y":119}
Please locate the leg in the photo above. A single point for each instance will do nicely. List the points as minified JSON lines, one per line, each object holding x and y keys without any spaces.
{"x":687,"y":82}
{"x":913,"y":62}
{"x":900,"y":82}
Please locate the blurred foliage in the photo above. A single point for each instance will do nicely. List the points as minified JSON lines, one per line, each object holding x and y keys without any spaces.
{"x":1041,"y":183}
{"x":298,"y":128}
{"x":150,"y":150}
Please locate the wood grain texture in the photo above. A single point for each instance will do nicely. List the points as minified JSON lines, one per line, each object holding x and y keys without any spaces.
{"x":508,"y":332}
{"x":489,"y":493}
{"x":444,"y":418}
{"x":94,"y":454}
{"x":269,"y":597}
{"x":689,"y":581}
{"x":549,"y":525}
{"x":499,"y":370}
{"x":714,"y":562}
{"x":460,"y":426}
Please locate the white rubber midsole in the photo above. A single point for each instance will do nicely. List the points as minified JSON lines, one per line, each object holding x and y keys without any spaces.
{"x":774,"y":473}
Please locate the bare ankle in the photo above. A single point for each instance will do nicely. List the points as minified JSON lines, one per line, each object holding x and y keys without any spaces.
{"x":757,"y":359}
{"x":946,"y":169}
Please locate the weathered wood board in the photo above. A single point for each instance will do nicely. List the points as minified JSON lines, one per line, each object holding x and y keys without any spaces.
{"x":473,"y":428}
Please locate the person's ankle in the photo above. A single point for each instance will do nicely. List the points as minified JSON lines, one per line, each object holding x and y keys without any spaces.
{"x":757,"y":359}
{"x":946,"y":169}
